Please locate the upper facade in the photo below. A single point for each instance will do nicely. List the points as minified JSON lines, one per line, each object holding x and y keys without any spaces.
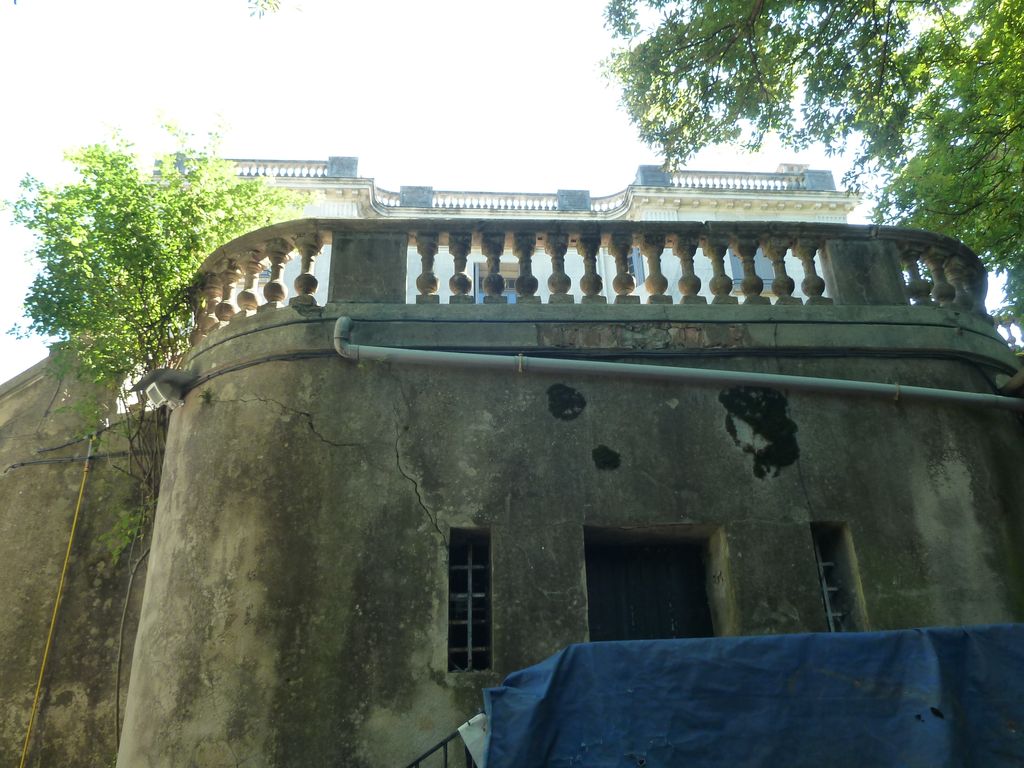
{"x":793,"y":193}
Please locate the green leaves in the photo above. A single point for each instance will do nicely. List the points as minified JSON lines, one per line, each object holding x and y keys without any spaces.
{"x":120,"y":248}
{"x":261,"y":7}
{"x":930,"y":91}
{"x":731,"y":70}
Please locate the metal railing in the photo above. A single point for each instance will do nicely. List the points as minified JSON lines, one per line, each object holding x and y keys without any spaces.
{"x":438,"y":755}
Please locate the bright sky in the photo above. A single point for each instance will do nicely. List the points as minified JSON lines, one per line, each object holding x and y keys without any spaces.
{"x":459,"y":94}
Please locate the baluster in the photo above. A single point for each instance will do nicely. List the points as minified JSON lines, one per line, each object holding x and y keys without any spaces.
{"x":306,"y":283}
{"x":775,"y":248}
{"x":212,"y":291}
{"x":959,"y":273}
{"x":652,"y":246}
{"x":752,"y":284}
{"x":559,"y":283}
{"x":246,"y":299}
{"x":523,"y":246}
{"x":1005,"y":324}
{"x":228,"y":277}
{"x":459,"y":246}
{"x":918,"y":289}
{"x":943,"y":293}
{"x":279,"y":252}
{"x":492,"y":244}
{"x":684,"y":249}
{"x":620,"y":246}
{"x":812,"y":285}
{"x":720,"y":283}
{"x":426,"y":281}
{"x":1011,"y":325}
{"x":198,"y":315}
{"x":587,"y":246}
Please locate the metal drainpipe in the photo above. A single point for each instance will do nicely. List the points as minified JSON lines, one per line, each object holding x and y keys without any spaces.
{"x":522,"y":364}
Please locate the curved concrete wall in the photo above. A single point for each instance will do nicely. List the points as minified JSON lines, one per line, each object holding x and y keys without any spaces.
{"x":296,"y":610}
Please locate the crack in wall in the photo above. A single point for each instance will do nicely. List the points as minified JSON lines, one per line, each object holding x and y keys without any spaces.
{"x":304,"y":414}
{"x":416,"y":488}
{"x":398,"y":463}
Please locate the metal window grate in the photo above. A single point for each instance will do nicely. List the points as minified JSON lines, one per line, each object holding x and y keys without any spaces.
{"x":469,"y":609}
{"x":835,"y":574}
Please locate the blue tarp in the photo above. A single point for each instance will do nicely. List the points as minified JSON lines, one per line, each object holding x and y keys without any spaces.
{"x":921,"y":697}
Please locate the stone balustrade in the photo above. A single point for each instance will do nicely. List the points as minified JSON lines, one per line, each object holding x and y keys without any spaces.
{"x":509,"y":202}
{"x":280,"y":168}
{"x":609,"y":202}
{"x":499,"y":202}
{"x":372,"y":261}
{"x":772,"y":182}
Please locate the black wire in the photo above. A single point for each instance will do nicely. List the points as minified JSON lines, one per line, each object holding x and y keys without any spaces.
{"x":67,"y":459}
{"x":77,"y":440}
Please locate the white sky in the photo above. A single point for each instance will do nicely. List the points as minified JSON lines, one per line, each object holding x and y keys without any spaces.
{"x":458,"y":94}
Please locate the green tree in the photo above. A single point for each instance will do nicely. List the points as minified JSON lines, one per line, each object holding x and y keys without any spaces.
{"x":926,"y":93}
{"x":119,"y":249}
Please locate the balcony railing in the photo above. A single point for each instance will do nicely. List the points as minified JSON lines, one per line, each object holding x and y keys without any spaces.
{"x":837,"y":264}
{"x":757,"y":182}
{"x":280,"y":168}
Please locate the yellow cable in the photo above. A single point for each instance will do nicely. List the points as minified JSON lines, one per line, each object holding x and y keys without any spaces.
{"x":56,"y":606}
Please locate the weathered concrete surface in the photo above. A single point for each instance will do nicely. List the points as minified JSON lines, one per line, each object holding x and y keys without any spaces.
{"x":75,"y":725}
{"x":296,"y":610}
{"x":368,"y":265}
{"x":863,"y":273}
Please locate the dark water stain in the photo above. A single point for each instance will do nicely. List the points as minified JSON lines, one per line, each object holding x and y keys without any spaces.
{"x":605,"y":458}
{"x":565,"y":402}
{"x":765,"y":411}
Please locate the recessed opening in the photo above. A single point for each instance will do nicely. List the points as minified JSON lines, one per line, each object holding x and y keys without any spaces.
{"x":646,"y":586}
{"x":469,"y":601}
{"x":838,"y":577}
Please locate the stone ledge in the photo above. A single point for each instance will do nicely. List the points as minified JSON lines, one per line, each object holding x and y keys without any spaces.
{"x":678,"y":332}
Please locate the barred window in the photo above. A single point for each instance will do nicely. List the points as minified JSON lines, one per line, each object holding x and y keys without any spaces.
{"x":469,"y":601}
{"x":838,"y":577}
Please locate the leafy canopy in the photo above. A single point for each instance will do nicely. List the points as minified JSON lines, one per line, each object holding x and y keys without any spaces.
{"x":927,"y":91}
{"x":120,"y":248}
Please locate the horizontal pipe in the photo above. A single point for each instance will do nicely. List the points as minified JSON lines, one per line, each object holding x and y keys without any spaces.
{"x":523,"y":364}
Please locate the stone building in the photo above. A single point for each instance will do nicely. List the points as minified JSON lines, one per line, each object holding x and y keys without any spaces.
{"x":378,"y":502}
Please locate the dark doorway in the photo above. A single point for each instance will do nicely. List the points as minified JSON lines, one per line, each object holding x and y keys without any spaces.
{"x":646,"y":590}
